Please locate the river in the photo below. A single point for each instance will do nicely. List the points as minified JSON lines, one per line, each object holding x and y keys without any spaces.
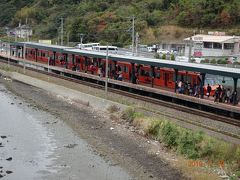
{"x":37,"y":145}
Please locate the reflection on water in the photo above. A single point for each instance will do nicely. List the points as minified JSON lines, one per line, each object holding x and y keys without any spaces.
{"x":43,"y":147}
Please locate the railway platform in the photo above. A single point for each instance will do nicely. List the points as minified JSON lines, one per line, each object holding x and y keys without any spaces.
{"x":164,"y":94}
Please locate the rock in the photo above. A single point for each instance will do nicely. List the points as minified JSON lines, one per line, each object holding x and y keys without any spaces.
{"x":9,"y":159}
{"x":12,"y":103}
{"x":151,"y":176}
{"x":9,"y":172}
{"x":1,"y":167}
{"x":20,"y":103}
{"x":1,"y":176}
{"x":70,"y":146}
{"x":3,"y":137}
{"x":111,"y":128}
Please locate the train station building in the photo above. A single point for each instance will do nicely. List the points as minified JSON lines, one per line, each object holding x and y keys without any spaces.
{"x":213,"y":45}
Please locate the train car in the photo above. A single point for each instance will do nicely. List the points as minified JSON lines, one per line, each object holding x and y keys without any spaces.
{"x":162,"y":77}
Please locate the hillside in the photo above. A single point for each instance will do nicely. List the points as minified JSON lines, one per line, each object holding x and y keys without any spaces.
{"x":109,"y":20}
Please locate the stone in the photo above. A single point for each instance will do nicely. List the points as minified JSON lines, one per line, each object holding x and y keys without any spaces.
{"x":9,"y":159}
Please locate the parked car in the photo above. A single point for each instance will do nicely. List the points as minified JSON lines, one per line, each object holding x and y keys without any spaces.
{"x":163,"y":51}
{"x":182,"y":58}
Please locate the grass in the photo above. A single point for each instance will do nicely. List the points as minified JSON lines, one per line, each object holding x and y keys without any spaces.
{"x":191,"y":144}
{"x":113,"y":108}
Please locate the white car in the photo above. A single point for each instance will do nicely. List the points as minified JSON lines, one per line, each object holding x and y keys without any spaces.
{"x":163,"y":51}
{"x":182,"y":59}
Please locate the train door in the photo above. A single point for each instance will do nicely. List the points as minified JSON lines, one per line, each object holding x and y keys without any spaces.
{"x":166,"y":78}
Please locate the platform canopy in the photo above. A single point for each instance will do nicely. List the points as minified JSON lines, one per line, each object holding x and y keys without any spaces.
{"x":40,"y":46}
{"x":193,"y":67}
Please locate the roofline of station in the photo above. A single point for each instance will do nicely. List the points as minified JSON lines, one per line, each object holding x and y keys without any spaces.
{"x":193,"y":67}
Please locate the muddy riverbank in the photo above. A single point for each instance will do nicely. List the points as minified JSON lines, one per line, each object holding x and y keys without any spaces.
{"x":106,"y":137}
{"x":35,"y":144}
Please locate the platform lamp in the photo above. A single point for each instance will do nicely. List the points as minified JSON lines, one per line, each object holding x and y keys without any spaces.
{"x":106,"y":71}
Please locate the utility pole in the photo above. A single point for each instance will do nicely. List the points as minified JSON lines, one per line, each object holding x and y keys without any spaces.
{"x":137,"y":38}
{"x":133,"y":34}
{"x":61,"y":31}
{"x":68,"y":38}
{"x":24,"y":58}
{"x":106,"y":72}
{"x":190,"y":50}
{"x":81,"y":38}
{"x":9,"y":49}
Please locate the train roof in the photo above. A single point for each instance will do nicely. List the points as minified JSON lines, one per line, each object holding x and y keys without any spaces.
{"x":202,"y":68}
{"x":49,"y":47}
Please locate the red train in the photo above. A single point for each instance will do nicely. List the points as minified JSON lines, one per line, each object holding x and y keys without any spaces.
{"x":163,"y":77}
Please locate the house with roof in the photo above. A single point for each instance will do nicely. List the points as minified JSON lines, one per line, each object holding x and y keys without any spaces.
{"x":212,"y":45}
{"x":23,"y":31}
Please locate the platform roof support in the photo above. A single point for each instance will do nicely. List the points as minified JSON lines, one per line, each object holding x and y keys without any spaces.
{"x":235,"y":80}
{"x":202,"y":85}
{"x":152,"y":75}
{"x":73,"y":59}
{"x":175,"y":79}
{"x":54,"y":58}
{"x":36,"y":54}
{"x":133,"y":76}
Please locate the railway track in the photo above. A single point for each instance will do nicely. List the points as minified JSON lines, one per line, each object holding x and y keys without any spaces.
{"x":141,"y":97}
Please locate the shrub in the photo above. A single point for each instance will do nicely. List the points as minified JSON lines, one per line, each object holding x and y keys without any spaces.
{"x":130,"y":114}
{"x":157,"y":56}
{"x":189,"y":144}
{"x":213,"y":61}
{"x":207,"y":147}
{"x":113,"y":108}
{"x":164,"y":56}
{"x":155,"y":128}
{"x":172,"y":57}
{"x":222,"y":61}
{"x":169,"y":134}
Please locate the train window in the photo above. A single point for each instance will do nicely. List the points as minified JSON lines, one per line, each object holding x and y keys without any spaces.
{"x":125,"y":69}
{"x":147,"y":74}
{"x":189,"y":79}
{"x":158,"y":75}
{"x":142,"y":72}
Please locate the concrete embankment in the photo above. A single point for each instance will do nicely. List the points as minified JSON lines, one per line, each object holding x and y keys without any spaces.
{"x":69,"y":95}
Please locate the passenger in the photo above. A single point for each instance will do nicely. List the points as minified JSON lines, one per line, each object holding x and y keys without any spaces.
{"x":190,"y":90}
{"x":99,"y":72}
{"x":219,"y":90}
{"x":120,"y":76}
{"x":216,"y":95}
{"x":113,"y":74}
{"x":228,"y":94}
{"x":136,"y":76}
{"x":74,"y":68}
{"x":91,"y":68}
{"x":223,"y":95}
{"x":77,"y":68}
{"x":234,"y":98}
{"x":196,"y":90}
{"x":186,"y":88}
{"x":209,"y":90}
{"x":180,"y":87}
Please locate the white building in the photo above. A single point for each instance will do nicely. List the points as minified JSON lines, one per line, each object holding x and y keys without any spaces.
{"x":23,"y":31}
{"x":212,"y":45}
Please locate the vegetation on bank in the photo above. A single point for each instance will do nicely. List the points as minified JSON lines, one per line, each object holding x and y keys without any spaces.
{"x":189,"y":143}
{"x":109,"y":20}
